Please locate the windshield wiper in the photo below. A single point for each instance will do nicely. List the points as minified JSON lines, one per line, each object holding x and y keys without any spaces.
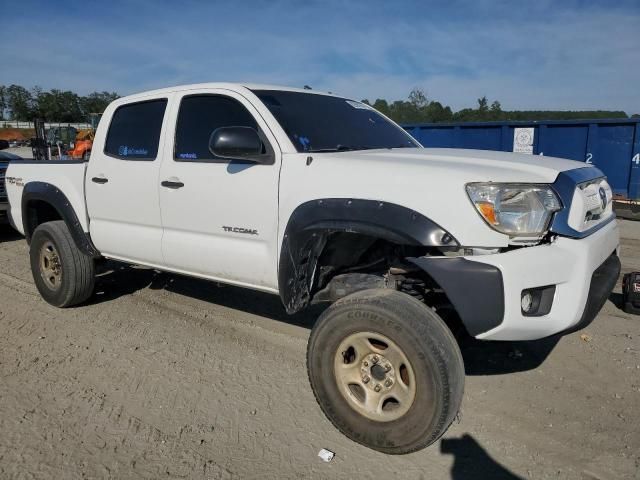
{"x":339,"y":148}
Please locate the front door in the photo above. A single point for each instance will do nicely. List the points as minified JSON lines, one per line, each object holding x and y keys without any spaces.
{"x":122,"y":183}
{"x":220,"y":217}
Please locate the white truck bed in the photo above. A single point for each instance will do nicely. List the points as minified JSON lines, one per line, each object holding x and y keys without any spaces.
{"x":68,"y":176}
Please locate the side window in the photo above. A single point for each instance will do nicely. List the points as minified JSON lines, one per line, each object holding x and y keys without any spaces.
{"x":134,"y":132}
{"x":199,"y":116}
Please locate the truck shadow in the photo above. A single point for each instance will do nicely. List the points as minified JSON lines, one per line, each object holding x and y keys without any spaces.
{"x":482,"y":357}
{"x":115,"y":280}
{"x":471,"y":461}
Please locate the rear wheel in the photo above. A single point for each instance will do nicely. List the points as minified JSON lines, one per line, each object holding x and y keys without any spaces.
{"x":386,"y":370}
{"x":63,"y":275}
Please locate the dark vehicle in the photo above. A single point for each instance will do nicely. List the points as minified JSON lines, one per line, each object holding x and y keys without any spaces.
{"x":4,"y":144}
{"x":5,"y":158}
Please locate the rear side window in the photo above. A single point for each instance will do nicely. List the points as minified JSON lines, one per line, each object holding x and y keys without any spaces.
{"x":134,"y":132}
{"x":199,"y":116}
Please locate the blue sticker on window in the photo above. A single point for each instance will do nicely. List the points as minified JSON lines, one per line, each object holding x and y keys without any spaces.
{"x":304,"y":141}
{"x":189,"y":156}
{"x":125,"y":151}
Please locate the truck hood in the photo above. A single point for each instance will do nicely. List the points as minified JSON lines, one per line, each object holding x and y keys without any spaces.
{"x":429,"y":181}
{"x":470,"y":165}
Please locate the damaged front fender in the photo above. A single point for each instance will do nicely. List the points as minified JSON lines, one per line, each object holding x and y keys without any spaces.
{"x":312,"y":223}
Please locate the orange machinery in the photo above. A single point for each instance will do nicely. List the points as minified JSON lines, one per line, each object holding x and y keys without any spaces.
{"x":82,"y":146}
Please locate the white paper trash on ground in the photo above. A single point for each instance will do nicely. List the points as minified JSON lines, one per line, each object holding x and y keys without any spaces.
{"x":326,"y":455}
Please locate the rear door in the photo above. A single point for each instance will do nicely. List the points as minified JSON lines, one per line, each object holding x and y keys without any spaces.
{"x":220,"y":216}
{"x":122,"y":183}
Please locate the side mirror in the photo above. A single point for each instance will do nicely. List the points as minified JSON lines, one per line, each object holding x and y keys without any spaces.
{"x":238,"y":143}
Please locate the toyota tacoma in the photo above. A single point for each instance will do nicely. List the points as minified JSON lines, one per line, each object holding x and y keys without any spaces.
{"x":318,"y":198}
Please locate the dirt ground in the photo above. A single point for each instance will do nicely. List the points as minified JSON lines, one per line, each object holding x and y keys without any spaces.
{"x":162,"y":376}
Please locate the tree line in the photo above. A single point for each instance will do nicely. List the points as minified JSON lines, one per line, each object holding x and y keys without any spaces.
{"x":19,"y":103}
{"x":420,"y":109}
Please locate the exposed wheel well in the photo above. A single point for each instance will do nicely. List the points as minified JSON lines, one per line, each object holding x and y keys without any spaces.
{"x":43,"y":202}
{"x":38,"y":212}
{"x":350,"y":262}
{"x":357,"y":261}
{"x":347,"y":252}
{"x":327,"y":237}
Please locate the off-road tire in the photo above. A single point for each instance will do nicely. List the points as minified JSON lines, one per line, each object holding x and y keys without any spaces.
{"x":425,"y":341}
{"x":77,"y":270}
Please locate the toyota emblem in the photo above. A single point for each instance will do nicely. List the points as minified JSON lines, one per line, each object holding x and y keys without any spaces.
{"x":603,"y":198}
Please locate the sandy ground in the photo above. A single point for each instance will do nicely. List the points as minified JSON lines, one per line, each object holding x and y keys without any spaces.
{"x":162,"y":376}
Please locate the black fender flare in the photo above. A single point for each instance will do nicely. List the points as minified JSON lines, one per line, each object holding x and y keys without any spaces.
{"x":311,"y":222}
{"x":45,"y":192}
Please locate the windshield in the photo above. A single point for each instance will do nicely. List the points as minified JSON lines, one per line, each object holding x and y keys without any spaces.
{"x":322,"y":123}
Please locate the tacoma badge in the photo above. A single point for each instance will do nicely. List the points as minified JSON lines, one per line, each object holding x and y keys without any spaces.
{"x":248,"y":231}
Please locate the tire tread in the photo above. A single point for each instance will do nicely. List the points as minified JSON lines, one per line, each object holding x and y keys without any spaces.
{"x":79,"y":275}
{"x":427,"y":326}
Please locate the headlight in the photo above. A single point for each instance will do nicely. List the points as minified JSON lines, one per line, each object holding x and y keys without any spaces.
{"x":515,"y":209}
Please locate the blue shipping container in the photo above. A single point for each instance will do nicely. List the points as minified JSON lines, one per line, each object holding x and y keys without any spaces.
{"x":611,"y":145}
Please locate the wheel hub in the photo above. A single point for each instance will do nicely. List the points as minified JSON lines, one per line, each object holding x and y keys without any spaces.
{"x":379,"y":370}
{"x":50,"y":266}
{"x":375,"y":376}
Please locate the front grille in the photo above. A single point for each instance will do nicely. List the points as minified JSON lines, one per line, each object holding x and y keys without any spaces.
{"x":591,"y":205}
{"x":3,"y":188}
{"x":579,"y":189}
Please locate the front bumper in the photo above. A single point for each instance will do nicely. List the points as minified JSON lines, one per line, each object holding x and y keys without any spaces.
{"x":581,"y":269}
{"x":486,"y":290}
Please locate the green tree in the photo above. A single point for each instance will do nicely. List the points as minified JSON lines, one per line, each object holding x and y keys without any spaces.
{"x":495,"y":111}
{"x":483,"y":104}
{"x":96,"y":102}
{"x":418,"y":98}
{"x":382,"y":106}
{"x":59,"y":106}
{"x":3,"y":101}
{"x":19,"y":103}
{"x":435,"y":112}
{"x":404,"y":112}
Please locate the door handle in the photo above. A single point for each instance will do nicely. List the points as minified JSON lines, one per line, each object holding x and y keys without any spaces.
{"x":172,"y":184}
{"x":99,"y":180}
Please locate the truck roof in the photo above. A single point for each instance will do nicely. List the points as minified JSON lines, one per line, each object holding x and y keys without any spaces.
{"x":227,"y":85}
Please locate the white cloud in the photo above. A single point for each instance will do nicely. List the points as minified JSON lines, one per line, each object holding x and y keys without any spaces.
{"x":545,"y":55}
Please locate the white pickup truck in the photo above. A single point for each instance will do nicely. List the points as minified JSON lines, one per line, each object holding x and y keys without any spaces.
{"x":318,"y":198}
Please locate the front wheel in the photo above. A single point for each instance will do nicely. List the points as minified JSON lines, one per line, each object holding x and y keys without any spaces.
{"x":63,"y":274}
{"x":386,"y":370}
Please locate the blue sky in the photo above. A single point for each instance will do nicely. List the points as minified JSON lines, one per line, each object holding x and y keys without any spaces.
{"x":540,"y":54}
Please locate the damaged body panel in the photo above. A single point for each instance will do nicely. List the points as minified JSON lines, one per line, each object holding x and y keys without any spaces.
{"x":474,"y":289}
{"x":314,"y":231}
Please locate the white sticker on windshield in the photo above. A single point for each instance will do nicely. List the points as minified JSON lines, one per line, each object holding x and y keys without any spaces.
{"x":358,"y":105}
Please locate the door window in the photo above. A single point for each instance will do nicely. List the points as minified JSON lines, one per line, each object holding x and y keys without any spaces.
{"x":198,"y":117}
{"x":134,"y":132}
